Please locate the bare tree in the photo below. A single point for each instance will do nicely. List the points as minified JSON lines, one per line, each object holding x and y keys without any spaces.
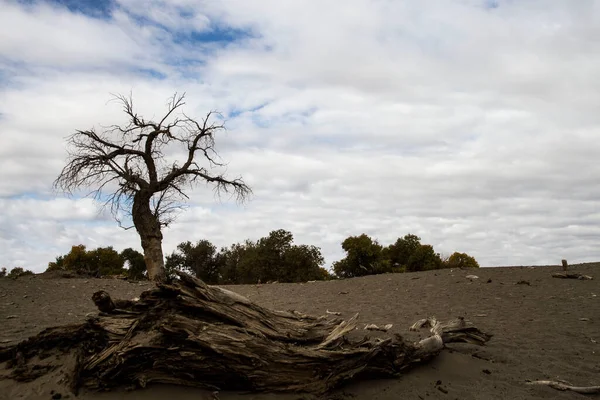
{"x":127,"y":167}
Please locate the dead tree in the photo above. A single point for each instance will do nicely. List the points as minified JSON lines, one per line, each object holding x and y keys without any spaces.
{"x":128,"y":163}
{"x":192,"y":334}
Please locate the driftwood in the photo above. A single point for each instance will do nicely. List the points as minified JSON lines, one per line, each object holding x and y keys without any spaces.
{"x":189,"y":333}
{"x":567,"y":386}
{"x":566,"y":275}
{"x":382,"y":328}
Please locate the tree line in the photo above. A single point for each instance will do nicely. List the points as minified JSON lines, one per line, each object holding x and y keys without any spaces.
{"x":365,"y":256}
{"x":273,"y":258}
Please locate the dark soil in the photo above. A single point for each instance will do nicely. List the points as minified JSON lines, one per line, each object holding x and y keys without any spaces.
{"x":543,"y":327}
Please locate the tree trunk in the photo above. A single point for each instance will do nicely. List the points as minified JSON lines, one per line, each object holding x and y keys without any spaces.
{"x":148,"y":227}
{"x":153,"y":256}
{"x":192,"y":334}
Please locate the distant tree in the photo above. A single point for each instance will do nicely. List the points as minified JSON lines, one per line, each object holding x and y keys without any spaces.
{"x":132,"y":159}
{"x":400,"y":252}
{"x":325,"y":275}
{"x":199,"y":259}
{"x":461,"y":260}
{"x":136,"y":265}
{"x":106,"y":261}
{"x":303,"y":263}
{"x":3,"y":272}
{"x":231,"y":260}
{"x":363,"y":257}
{"x":95,"y":263}
{"x":424,"y":259}
{"x":271,"y":258}
{"x":270,"y":253}
{"x":76,"y":261}
{"x":18,"y":272}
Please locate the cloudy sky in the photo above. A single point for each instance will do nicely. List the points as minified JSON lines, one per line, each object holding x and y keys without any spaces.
{"x":474,"y":124}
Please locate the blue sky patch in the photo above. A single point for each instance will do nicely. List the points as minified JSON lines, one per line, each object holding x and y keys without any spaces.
{"x":92,"y":8}
{"x":492,"y":4}
{"x":216,"y":34}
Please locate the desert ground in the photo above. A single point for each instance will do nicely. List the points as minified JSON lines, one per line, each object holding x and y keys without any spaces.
{"x":543,"y":327}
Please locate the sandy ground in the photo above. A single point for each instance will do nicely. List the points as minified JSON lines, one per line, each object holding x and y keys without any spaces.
{"x":545,"y":328}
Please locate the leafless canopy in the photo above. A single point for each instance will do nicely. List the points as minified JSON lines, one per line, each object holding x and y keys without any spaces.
{"x":122,"y":161}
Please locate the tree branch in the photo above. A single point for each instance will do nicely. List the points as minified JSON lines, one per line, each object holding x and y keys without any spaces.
{"x":133,"y":157}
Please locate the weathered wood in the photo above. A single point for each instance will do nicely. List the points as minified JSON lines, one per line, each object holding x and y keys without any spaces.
{"x":571,"y":276}
{"x":189,"y":333}
{"x":563,"y":386}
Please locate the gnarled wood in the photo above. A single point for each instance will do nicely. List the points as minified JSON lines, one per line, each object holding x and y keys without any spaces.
{"x":563,"y":386}
{"x":566,"y":275}
{"x":192,"y":334}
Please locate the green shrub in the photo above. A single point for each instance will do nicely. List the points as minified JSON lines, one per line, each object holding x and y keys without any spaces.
{"x":424,"y":259}
{"x":95,"y":263}
{"x":461,"y":260}
{"x":364,"y":256}
{"x":269,"y":259}
{"x":136,"y":265}
{"x":18,"y":272}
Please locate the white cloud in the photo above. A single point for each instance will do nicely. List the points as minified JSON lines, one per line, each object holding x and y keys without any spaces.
{"x":41,"y":34}
{"x":474,"y":128}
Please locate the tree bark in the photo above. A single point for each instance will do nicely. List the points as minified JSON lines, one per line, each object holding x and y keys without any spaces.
{"x":153,"y":256}
{"x":148,"y":227}
{"x":192,"y":334}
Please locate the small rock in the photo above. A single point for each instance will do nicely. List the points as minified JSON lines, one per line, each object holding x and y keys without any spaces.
{"x":487,"y":371}
{"x":343,"y":292}
{"x":25,"y":296}
{"x":472,"y":277}
{"x":56,"y":396}
{"x":11,"y":316}
{"x":441,"y":389}
{"x":489,"y":280}
{"x":584,"y":319}
{"x":524,"y":283}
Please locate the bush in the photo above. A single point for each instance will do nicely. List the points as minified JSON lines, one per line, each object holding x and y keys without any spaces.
{"x":18,"y":272}
{"x":136,"y":265}
{"x":424,"y":259}
{"x":3,"y":272}
{"x":400,"y":252}
{"x":461,"y":260}
{"x":94,"y":263}
{"x":363,"y":257}
{"x":269,"y":259}
{"x":325,"y":275}
{"x":197,"y":259}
